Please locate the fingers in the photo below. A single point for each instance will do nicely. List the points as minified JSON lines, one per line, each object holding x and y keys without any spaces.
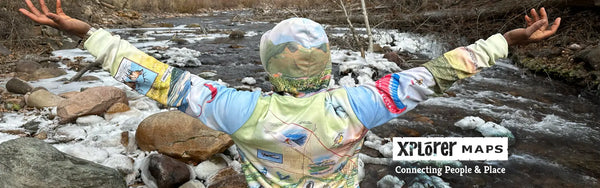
{"x":44,"y":7}
{"x":59,"y":9}
{"x":28,"y":14}
{"x":555,"y":25}
{"x":528,"y":20}
{"x":34,"y":10}
{"x":535,"y":15}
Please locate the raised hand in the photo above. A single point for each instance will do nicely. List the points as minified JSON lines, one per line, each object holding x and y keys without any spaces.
{"x":59,"y":20}
{"x":537,"y":29}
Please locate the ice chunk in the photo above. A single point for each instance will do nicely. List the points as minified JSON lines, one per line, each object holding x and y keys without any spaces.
{"x":89,"y":153}
{"x":6,"y":137}
{"x":469,"y":122}
{"x":120,"y":162}
{"x":209,"y":167}
{"x":249,"y":81}
{"x":89,"y":120}
{"x":347,"y":81}
{"x":390,"y":181}
{"x":70,"y":133}
{"x":491,"y":129}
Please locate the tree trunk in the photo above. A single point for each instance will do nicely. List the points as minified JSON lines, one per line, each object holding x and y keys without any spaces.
{"x":364,"y":8}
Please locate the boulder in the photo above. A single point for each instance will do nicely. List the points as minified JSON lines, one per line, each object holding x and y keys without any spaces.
{"x":44,"y":73}
{"x":27,"y":66}
{"x":92,"y":101}
{"x":590,"y":57}
{"x":69,"y":94}
{"x":43,"y":98}
{"x":30,"y":162}
{"x":180,"y":136}
{"x":163,"y":171}
{"x":18,"y":86}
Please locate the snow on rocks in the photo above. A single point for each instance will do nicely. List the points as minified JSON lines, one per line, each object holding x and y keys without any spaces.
{"x":487,"y":129}
{"x":390,"y":181}
{"x":248,"y":81}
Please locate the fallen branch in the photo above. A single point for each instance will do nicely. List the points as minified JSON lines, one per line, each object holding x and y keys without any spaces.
{"x":84,"y":70}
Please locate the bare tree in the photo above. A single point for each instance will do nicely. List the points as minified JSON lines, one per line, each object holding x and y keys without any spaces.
{"x":364,"y":9}
{"x":362,"y":49}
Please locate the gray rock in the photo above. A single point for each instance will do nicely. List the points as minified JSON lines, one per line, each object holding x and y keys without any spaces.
{"x":237,"y":34}
{"x":44,"y":73}
{"x":43,"y":98}
{"x":30,"y":162}
{"x":163,"y":171}
{"x":590,"y":57}
{"x":4,"y":51}
{"x":92,"y":101}
{"x":18,"y":86}
{"x":27,"y":66}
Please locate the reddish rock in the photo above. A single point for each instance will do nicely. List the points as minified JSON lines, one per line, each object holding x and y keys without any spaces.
{"x":164,"y":171}
{"x":68,"y":95}
{"x":92,"y":101}
{"x":180,"y":136}
{"x":118,"y":107}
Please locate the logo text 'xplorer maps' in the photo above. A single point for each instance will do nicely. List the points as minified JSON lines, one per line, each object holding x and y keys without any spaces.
{"x":450,"y":148}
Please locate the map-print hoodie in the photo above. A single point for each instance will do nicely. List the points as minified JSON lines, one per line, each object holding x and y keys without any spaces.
{"x":304,"y":135}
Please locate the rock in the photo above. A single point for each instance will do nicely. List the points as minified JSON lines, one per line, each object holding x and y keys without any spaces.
{"x":227,"y":178}
{"x":207,"y":74}
{"x":117,"y":108}
{"x":4,"y":51}
{"x":237,"y":34}
{"x":92,"y":101}
{"x":590,"y":57}
{"x":32,"y":126}
{"x":18,"y":86}
{"x":575,"y":47}
{"x":377,"y":48}
{"x":30,"y":162}
{"x":394,"y":57}
{"x":14,"y":103}
{"x":43,"y":98}
{"x":163,"y":171}
{"x":44,"y":73}
{"x":27,"y":66}
{"x":88,"y":78}
{"x":180,"y":136}
{"x":423,"y":119}
{"x":193,"y":184}
{"x":70,"y":133}
{"x":68,"y":95}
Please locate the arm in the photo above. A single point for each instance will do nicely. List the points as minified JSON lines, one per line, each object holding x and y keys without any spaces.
{"x":397,"y":93}
{"x":203,"y":99}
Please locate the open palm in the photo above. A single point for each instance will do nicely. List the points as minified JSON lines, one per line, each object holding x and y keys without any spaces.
{"x":543,"y":32}
{"x":59,"y":20}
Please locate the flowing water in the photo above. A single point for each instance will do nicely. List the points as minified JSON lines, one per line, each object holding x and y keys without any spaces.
{"x":556,"y":127}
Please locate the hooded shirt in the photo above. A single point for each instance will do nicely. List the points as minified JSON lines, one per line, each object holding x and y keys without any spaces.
{"x":288,"y":140}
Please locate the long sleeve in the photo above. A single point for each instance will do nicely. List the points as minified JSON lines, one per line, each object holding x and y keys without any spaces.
{"x":398,"y":93}
{"x":217,"y":106}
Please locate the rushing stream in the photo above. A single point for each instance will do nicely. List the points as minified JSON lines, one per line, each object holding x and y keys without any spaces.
{"x":556,"y":128}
